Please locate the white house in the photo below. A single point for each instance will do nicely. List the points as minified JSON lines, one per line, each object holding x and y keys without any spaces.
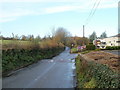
{"x":110,"y":41}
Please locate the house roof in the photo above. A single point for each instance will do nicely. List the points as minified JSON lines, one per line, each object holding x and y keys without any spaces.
{"x":118,"y":35}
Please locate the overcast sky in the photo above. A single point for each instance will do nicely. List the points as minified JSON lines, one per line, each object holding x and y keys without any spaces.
{"x":39,"y":17}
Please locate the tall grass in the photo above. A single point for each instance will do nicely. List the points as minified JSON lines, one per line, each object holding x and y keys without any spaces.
{"x":18,"y":44}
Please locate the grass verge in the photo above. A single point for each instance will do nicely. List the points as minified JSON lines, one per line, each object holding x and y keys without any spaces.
{"x":73,"y":50}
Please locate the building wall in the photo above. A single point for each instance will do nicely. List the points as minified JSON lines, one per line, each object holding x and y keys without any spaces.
{"x":112,"y":41}
{"x":119,"y":17}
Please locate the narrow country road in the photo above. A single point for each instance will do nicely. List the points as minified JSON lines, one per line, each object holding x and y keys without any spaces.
{"x":57,"y":72}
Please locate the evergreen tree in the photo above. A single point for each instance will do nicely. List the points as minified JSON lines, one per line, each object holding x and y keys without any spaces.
{"x":93,"y":36}
{"x":103,"y":35}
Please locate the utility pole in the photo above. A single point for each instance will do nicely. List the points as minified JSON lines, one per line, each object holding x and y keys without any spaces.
{"x":83,"y":32}
{"x":83,"y":35}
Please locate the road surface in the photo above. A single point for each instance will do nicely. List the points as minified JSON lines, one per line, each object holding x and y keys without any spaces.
{"x":57,"y":72}
{"x":116,"y":52}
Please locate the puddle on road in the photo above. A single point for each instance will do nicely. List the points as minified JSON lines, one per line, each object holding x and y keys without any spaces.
{"x":72,"y":73}
{"x":73,"y":66}
{"x":51,"y":60}
{"x":73,"y":61}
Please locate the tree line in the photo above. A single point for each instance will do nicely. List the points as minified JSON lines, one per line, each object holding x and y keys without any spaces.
{"x":94,"y":36}
{"x":59,"y":36}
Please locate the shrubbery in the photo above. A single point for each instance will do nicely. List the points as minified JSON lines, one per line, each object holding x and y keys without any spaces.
{"x":112,"y":48}
{"x":94,"y":75}
{"x":90,"y":47}
{"x":16,"y":58}
{"x":74,"y":50}
{"x":24,"y":50}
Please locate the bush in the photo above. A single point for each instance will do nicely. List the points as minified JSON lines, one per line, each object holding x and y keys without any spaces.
{"x":90,"y":84}
{"x":90,"y":47}
{"x":86,"y":51}
{"x":73,"y":50}
{"x":97,"y":49}
{"x":112,"y":48}
{"x":94,"y":75}
{"x":13,"y":59}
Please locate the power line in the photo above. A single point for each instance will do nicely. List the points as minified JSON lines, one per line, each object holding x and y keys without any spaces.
{"x":91,"y":11}
{"x":95,"y":10}
{"x":92,"y":14}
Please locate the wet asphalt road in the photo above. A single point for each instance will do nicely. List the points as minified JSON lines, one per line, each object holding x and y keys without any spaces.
{"x":49,"y":73}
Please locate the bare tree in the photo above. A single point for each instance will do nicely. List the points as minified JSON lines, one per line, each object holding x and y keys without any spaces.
{"x":38,"y":38}
{"x":60,"y":35}
{"x":13,"y":35}
{"x":23,"y":37}
{"x":30,"y":37}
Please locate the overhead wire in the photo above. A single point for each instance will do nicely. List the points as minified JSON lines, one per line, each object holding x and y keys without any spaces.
{"x":93,"y":12}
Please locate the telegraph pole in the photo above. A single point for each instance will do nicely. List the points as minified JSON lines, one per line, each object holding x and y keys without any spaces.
{"x":83,"y":32}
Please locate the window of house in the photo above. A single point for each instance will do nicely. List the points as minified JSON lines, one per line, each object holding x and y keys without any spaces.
{"x":103,"y":42}
{"x":117,"y":41}
{"x":103,"y":46}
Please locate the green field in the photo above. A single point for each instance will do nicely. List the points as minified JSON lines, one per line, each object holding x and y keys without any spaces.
{"x":11,"y":41}
{"x":17,"y":44}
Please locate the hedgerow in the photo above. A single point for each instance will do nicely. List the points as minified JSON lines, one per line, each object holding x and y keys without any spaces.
{"x":94,"y":75}
{"x":112,"y":48}
{"x":90,"y":47}
{"x":13,"y":59}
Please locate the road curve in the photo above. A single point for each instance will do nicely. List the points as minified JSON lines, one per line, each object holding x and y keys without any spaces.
{"x":48,"y":73}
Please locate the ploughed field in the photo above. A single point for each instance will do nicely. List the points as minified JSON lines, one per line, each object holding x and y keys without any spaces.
{"x":108,"y":59}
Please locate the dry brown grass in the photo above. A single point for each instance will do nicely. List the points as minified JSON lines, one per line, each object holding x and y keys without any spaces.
{"x":17,"y":44}
{"x":105,"y":58}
